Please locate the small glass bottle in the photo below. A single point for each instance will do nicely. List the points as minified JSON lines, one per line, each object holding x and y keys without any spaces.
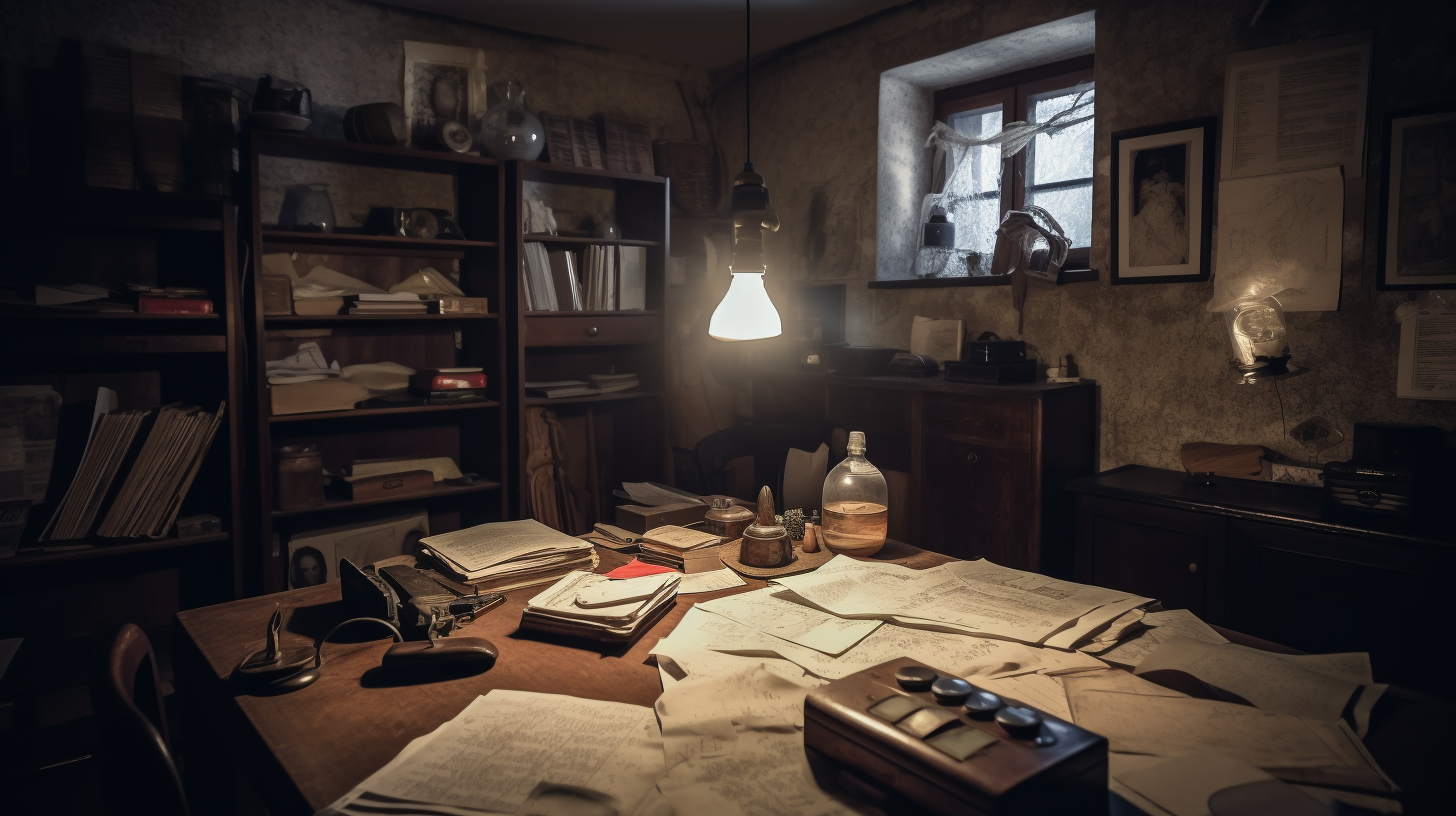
{"x":856,"y":504}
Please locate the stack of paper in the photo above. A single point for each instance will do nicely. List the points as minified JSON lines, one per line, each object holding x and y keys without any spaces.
{"x":594,"y":606}
{"x":387,"y":303}
{"x":521,"y":752}
{"x":508,"y":555}
{"x":536,"y":276}
{"x":611,"y":383}
{"x":674,"y":546}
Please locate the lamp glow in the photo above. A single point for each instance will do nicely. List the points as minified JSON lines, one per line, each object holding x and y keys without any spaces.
{"x":746,"y":312}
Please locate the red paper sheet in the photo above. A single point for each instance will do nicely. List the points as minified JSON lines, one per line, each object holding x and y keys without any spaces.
{"x":637,"y":569}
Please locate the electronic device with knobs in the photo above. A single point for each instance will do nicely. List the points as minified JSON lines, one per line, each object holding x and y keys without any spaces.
{"x":923,"y":740}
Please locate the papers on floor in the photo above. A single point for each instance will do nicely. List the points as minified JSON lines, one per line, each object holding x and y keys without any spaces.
{"x":594,"y":606}
{"x":1161,"y":626}
{"x":509,"y":746}
{"x":793,"y":622}
{"x":988,"y":601}
{"x":508,"y":554}
{"x":724,"y":578}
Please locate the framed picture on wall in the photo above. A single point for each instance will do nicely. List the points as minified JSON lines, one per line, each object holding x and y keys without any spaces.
{"x":1162,"y":202}
{"x":1418,"y":204}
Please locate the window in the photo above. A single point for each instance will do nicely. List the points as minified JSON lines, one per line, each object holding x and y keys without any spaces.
{"x":1053,"y":172}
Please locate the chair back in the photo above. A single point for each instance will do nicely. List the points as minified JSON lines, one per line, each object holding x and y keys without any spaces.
{"x":136,"y":759}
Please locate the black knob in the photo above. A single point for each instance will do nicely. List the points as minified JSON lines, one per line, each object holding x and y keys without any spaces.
{"x":915,"y":678}
{"x":971,"y":458}
{"x":983,"y":705}
{"x":950,"y":691}
{"x":1022,"y":723}
{"x":591,"y":332}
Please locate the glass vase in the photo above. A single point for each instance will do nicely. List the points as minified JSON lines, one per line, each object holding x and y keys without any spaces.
{"x":509,"y":131}
{"x":856,"y":504}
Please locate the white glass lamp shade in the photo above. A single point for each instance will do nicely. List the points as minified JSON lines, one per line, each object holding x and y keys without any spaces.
{"x":746,"y":312}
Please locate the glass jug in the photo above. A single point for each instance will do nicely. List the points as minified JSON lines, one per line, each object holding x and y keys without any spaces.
{"x":509,"y":131}
{"x":856,"y":504}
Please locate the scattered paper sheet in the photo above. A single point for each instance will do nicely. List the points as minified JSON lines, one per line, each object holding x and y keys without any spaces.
{"x":1036,"y":690}
{"x":709,"y":581}
{"x":793,"y":622}
{"x":1110,"y":604}
{"x":1074,"y":685}
{"x":496,"y":752}
{"x":858,"y":589}
{"x":1182,"y":786}
{"x":677,"y":662}
{"x":1427,"y":365}
{"x":1285,"y":229}
{"x":504,"y":546}
{"x":1164,"y":625}
{"x":1254,"y":676}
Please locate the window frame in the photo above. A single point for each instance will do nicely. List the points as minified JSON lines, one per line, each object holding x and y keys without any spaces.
{"x":1015,"y":91}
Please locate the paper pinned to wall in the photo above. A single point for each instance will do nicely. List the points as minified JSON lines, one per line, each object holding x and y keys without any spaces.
{"x":1427,"y":367}
{"x":1285,"y":229}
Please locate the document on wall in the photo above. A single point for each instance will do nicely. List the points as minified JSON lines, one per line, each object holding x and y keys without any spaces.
{"x":1297,"y":106}
{"x":793,"y":622}
{"x":1427,"y":367}
{"x":1284,"y":228}
{"x":856,"y":589}
{"x":508,"y":747}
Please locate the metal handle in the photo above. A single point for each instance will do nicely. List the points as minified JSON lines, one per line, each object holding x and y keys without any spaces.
{"x":1193,"y":567}
{"x":592,"y":332}
{"x":971,"y":458}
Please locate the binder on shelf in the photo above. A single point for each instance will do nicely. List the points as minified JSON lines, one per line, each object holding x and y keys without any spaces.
{"x":632,"y":271}
{"x":564,"y":279}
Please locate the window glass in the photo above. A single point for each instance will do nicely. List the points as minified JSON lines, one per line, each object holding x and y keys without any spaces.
{"x":1059,"y":166}
{"x":1071,"y":206}
{"x":977,"y":210}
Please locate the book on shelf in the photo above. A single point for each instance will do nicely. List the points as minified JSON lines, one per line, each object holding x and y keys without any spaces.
{"x":448,"y":379}
{"x":536,"y":273}
{"x":316,"y":396}
{"x":137,"y":467}
{"x":561,"y":388}
{"x":632,"y":277}
{"x":565,"y":280}
{"x":318,"y":306}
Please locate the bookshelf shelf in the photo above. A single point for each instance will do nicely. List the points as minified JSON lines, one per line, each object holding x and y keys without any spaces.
{"x":277,"y":236}
{"x":298,"y":146}
{"x":128,"y":317}
{"x":104,"y":548}
{"x":597,"y":313}
{"x":578,"y":239}
{"x":618,"y":397}
{"x":346,"y":319}
{"x":140,"y":344}
{"x":359,"y":413}
{"x":442,"y":491}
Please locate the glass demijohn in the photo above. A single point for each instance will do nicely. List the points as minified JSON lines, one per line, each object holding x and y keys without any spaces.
{"x":509,"y":131}
{"x":856,"y":504}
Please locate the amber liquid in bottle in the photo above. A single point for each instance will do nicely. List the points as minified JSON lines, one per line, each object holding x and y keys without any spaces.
{"x":854,"y":526}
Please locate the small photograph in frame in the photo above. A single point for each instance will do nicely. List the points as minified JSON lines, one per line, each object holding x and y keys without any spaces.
{"x":442,"y":83}
{"x":1418,"y":204}
{"x":1162,"y":202}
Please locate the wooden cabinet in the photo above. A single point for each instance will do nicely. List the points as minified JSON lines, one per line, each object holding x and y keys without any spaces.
{"x":1268,"y":563}
{"x":985,"y":465}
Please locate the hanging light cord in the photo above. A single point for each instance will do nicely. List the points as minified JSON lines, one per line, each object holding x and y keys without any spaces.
{"x":747,"y":83}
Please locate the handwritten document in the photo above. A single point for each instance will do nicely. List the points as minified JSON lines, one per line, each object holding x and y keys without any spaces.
{"x":1109,"y":604}
{"x":1297,"y":106}
{"x":793,"y":622}
{"x":1286,"y":228}
{"x":503,"y":546}
{"x":858,"y":589}
{"x":1164,"y":625}
{"x":496,"y":753}
{"x":709,"y":581}
{"x":561,"y":599}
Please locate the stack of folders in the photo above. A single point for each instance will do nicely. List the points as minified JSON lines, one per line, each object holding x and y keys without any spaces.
{"x":586,"y":605}
{"x":606,"y":278}
{"x":681,"y":548}
{"x":506,"y":555}
{"x":611,"y":383}
{"x":387,"y":303}
{"x":600,"y":384}
{"x":137,"y":468}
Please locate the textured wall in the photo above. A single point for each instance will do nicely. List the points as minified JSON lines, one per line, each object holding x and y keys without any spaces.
{"x":350,"y":52}
{"x":1160,"y":358}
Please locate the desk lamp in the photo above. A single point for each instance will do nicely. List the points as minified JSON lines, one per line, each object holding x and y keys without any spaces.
{"x":746,"y":312}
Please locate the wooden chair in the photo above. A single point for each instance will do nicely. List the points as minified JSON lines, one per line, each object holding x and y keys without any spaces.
{"x":136,"y":760}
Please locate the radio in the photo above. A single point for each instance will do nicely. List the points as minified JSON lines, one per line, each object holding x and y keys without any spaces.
{"x":924,"y":739}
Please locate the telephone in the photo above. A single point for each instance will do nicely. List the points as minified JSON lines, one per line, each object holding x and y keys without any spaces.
{"x":915,"y":739}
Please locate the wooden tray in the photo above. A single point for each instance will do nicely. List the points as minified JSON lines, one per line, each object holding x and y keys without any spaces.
{"x":803,"y":562}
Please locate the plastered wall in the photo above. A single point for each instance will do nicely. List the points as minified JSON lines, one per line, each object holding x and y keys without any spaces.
{"x":1160,"y":358}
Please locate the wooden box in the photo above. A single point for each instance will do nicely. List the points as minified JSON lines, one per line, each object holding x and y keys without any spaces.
{"x":389,"y":485}
{"x":641,"y":519}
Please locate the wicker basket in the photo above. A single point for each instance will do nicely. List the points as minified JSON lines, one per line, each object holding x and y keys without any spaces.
{"x":694,"y":174}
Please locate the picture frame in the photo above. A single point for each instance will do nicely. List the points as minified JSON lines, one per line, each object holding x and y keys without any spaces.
{"x":442,"y":83}
{"x":1414,"y":251}
{"x":1162,"y":202}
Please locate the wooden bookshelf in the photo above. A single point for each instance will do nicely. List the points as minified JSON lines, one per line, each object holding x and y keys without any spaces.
{"x":610,"y":438}
{"x":473,"y":434}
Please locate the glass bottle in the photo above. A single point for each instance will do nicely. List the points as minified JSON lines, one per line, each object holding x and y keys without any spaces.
{"x":856,"y":504}
{"x":509,"y":131}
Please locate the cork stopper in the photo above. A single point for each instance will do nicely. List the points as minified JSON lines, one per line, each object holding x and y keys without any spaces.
{"x":856,"y":442}
{"x":765,"y":507}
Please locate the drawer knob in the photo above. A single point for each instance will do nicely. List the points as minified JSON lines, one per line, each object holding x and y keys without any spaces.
{"x":592,"y":332}
{"x":971,"y":458}
{"x":1193,"y":567}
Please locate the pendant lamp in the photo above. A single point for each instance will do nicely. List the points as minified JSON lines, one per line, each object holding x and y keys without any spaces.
{"x":746,"y":312}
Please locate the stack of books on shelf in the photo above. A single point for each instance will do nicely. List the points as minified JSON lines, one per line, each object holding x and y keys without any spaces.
{"x":596,"y":607}
{"x":681,"y":548}
{"x":450,"y":386}
{"x":606,"y":278}
{"x":387,"y":303}
{"x":599,"y":384}
{"x":136,"y":469}
{"x":506,"y":555}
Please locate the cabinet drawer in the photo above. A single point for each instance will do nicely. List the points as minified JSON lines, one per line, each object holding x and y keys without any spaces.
{"x":856,"y":409}
{"x":608,"y":330}
{"x":998,"y":421}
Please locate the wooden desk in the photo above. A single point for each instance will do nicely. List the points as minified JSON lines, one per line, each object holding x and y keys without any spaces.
{"x":312,"y":746}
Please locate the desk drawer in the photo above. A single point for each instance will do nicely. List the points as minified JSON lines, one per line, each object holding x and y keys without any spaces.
{"x":603,"y":330}
{"x":999,"y":421}
{"x":856,"y":409}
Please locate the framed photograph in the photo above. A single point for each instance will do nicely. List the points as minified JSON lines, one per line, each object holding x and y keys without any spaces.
{"x":1418,"y":204}
{"x":1162,"y":202}
{"x":442,"y":83}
